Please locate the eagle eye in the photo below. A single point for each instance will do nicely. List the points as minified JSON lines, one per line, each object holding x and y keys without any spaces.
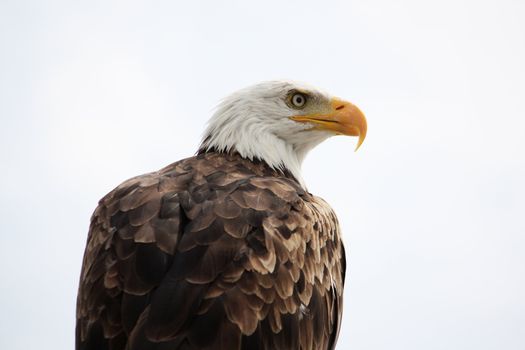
{"x":298,"y":99}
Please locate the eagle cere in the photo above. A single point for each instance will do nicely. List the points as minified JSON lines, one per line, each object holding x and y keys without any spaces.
{"x":227,"y":249}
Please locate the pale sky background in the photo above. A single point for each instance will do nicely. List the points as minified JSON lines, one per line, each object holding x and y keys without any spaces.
{"x":432,"y":206}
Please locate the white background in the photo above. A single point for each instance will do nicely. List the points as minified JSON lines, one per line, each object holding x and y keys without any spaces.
{"x":432,"y":206}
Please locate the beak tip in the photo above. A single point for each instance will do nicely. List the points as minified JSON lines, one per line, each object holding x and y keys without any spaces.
{"x":359,"y":142}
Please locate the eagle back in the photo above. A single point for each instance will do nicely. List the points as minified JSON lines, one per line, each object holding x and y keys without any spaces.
{"x":211,"y":252}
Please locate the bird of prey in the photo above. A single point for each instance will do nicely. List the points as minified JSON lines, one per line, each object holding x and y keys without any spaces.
{"x":225,"y":250}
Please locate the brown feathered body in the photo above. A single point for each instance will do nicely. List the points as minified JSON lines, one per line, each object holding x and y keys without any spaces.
{"x":212,"y":252}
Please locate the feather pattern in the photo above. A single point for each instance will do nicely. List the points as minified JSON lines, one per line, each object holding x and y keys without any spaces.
{"x":212,"y":252}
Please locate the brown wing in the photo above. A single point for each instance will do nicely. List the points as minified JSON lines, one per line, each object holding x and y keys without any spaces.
{"x":213,"y":252}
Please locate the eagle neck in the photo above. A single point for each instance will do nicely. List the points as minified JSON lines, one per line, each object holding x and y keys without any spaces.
{"x":255,"y":142}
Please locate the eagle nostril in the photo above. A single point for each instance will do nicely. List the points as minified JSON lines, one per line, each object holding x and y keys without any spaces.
{"x":340,"y":107}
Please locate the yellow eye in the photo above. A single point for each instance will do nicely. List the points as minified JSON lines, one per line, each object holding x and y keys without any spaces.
{"x":298,"y":100}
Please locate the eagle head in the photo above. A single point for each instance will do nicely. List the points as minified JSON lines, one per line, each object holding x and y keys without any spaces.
{"x":278,"y":122}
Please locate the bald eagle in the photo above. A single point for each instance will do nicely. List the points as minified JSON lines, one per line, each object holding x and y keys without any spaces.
{"x":227,"y":249}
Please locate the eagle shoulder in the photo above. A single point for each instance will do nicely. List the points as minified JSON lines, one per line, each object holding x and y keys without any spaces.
{"x":211,"y":252}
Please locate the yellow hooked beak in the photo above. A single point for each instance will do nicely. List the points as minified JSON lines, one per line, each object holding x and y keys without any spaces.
{"x":343,"y":119}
